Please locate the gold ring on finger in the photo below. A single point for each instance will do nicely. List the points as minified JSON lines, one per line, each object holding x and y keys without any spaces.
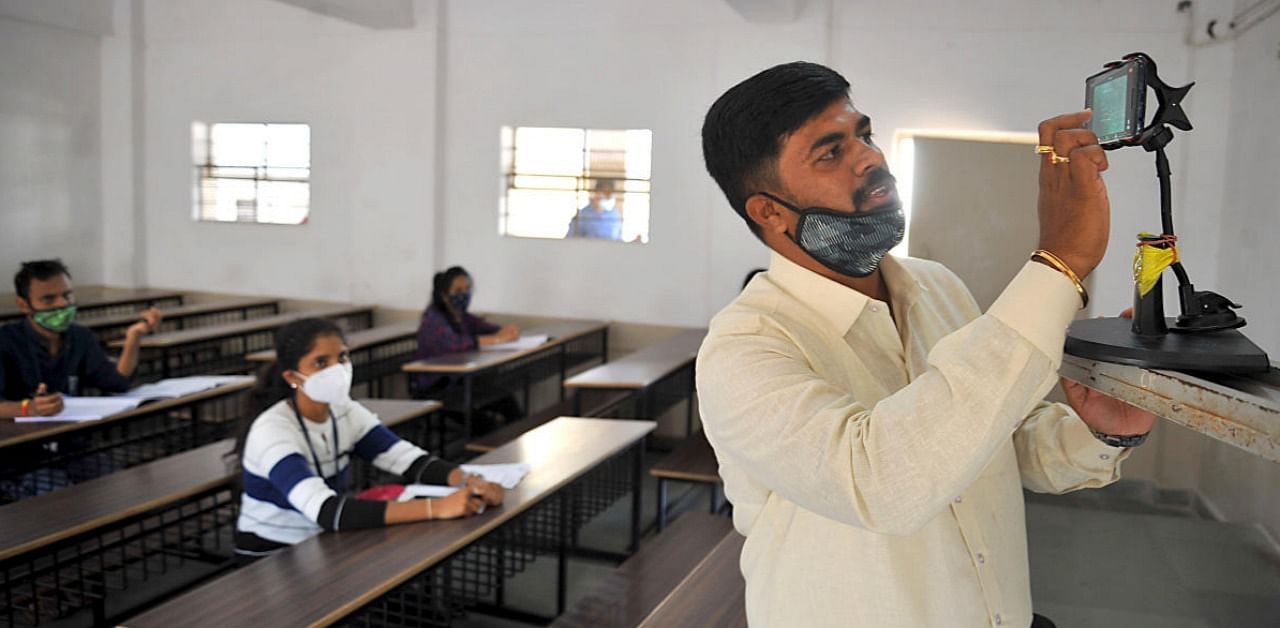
{"x":1056,"y":159}
{"x":1044,"y":150}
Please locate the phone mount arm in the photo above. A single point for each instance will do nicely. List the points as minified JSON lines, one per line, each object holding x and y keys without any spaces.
{"x":1202,"y":311}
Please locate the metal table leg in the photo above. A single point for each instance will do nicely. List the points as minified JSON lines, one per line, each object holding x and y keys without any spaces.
{"x":637,"y":485}
{"x":662,"y":503}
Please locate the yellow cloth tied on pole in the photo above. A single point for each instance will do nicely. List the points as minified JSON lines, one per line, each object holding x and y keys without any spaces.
{"x":1150,"y":260}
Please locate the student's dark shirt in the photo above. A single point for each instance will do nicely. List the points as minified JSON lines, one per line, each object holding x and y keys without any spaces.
{"x":25,"y":363}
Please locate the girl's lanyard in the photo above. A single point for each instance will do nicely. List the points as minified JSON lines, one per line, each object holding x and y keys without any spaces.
{"x":316,"y":459}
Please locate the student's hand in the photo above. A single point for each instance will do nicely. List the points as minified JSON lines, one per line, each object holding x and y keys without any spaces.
{"x":491,"y":492}
{"x":508,"y":333}
{"x":151,"y":317}
{"x":45,"y":404}
{"x":460,"y":504}
{"x":1075,"y":213}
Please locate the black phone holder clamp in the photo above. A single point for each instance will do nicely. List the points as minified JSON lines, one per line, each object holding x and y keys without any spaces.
{"x":1204,"y":338}
{"x":1169,"y":111}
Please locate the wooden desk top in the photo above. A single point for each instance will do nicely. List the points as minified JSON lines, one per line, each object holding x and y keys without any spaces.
{"x":712,"y":596}
{"x":631,"y":592}
{"x":90,"y":297}
{"x":188,"y":336}
{"x":48,"y":518}
{"x":13,"y":433}
{"x":357,"y":339}
{"x":184,"y":311}
{"x":693,"y":461}
{"x":329,"y":576}
{"x":644,"y":367}
{"x":560,"y":332}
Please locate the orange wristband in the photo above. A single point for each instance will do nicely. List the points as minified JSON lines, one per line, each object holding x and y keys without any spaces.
{"x":26,"y":407}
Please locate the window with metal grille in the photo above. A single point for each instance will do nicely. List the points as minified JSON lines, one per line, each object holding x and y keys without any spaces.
{"x":575,"y":183}
{"x":251,"y":172}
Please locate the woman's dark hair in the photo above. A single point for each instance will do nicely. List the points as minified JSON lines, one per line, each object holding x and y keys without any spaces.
{"x":744,"y":129}
{"x":293,"y":341}
{"x":440,"y":285}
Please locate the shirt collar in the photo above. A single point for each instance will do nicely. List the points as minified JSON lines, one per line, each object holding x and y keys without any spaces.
{"x":837,"y":304}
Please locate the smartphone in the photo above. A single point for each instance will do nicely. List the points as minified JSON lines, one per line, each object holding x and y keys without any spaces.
{"x":1118,"y":97}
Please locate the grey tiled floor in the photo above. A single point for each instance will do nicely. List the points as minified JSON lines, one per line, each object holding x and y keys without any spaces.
{"x":1119,"y":557}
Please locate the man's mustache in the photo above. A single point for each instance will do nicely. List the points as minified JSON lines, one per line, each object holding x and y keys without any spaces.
{"x":877,"y":178}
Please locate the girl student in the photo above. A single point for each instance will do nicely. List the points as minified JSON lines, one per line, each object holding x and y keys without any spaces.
{"x":296,"y":452}
{"x":448,"y":326}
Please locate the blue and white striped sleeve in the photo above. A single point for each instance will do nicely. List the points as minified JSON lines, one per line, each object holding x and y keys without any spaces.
{"x":389,"y":452}
{"x":272,"y":451}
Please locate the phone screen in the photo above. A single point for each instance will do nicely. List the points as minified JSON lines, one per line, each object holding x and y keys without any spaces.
{"x":1117,"y":97}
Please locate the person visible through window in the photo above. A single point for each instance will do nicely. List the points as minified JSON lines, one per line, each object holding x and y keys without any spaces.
{"x":602,"y":216}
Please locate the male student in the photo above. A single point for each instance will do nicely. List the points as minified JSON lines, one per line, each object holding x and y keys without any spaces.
{"x":874,"y":429}
{"x":46,"y":355}
{"x":601,"y":217}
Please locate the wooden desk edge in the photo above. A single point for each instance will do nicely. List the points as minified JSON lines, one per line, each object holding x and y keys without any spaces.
{"x":163,"y":340}
{"x":423,"y":366}
{"x":728,"y":538}
{"x":392,"y":581}
{"x":119,"y":515}
{"x":476,"y":534}
{"x":155,"y":406}
{"x":428,"y":407}
{"x":684,"y":476}
{"x":581,"y":381}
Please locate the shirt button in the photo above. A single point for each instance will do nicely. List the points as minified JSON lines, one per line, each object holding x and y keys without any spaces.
{"x":959,"y":499}
{"x":875,"y":308}
{"x":982,"y":559}
{"x":998,"y":619}
{"x":1105,"y":456}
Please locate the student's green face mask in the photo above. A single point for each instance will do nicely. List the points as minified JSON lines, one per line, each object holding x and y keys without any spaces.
{"x":56,"y":320}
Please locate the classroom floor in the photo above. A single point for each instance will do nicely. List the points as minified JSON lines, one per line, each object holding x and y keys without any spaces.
{"x":1124,"y":556}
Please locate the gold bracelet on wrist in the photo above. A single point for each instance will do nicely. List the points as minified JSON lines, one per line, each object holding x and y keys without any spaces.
{"x":1057,"y":263}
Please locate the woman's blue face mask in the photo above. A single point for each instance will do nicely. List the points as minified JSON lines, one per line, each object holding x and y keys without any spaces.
{"x":460,"y":300}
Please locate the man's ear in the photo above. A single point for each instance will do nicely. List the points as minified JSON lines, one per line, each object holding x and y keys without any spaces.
{"x":767,"y":214}
{"x":23,"y":305}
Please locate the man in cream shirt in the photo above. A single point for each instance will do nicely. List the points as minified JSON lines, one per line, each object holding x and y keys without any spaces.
{"x":875,"y":429}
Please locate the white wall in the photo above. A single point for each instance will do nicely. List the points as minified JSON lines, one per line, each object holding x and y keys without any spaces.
{"x":1243,"y":486}
{"x":49,"y":148}
{"x":614,"y":65}
{"x":369,"y":97}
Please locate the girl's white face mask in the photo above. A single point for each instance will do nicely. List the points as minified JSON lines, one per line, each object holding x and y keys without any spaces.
{"x":329,"y":385}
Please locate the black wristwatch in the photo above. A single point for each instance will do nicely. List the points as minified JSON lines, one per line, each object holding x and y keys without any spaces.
{"x":1119,"y":441}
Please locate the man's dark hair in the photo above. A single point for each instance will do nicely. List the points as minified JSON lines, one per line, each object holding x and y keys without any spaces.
{"x":744,"y":130}
{"x":42,"y":270}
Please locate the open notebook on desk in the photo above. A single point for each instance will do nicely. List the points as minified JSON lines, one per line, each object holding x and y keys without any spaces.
{"x":94,"y":408}
{"x":522,"y":343}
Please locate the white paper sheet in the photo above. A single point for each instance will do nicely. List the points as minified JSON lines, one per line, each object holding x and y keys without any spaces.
{"x":85,"y":409}
{"x":413,"y":491}
{"x":524,"y":342}
{"x":180,"y":386}
{"x":508,"y":475}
